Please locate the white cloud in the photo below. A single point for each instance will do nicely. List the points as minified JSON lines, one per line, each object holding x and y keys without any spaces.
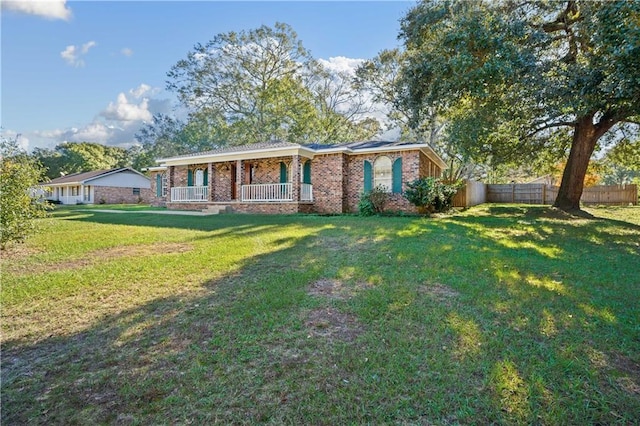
{"x":73,"y":54}
{"x":143,"y":89}
{"x":123,"y":110}
{"x":341,"y":64}
{"x":48,"y":9}
{"x":23,"y":141}
{"x":116,"y":125}
{"x":126,"y":51}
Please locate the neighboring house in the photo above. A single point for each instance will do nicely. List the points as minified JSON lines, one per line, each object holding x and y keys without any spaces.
{"x":283,"y":177}
{"x":122,"y":185}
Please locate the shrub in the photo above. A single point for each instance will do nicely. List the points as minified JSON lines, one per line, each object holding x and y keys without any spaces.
{"x":431,"y":194}
{"x":373,"y":202}
{"x":19,"y":207}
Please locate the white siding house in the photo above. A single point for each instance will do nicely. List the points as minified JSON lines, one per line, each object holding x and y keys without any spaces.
{"x":121,"y":185}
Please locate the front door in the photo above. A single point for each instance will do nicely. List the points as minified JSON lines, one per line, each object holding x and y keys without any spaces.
{"x":234,"y":190}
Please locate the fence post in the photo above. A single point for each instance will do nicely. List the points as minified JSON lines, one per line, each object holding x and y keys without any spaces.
{"x":544,"y":194}
{"x":513,"y":192}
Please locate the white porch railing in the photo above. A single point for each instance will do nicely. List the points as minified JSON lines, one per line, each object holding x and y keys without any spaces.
{"x":189,"y":194}
{"x":306,"y":192}
{"x":66,"y":199}
{"x":267,"y":192}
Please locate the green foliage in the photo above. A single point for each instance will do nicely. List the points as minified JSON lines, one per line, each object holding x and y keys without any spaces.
{"x":262,"y":85}
{"x":621,"y":164}
{"x":374,"y":201}
{"x":515,"y":79}
{"x":19,"y":207}
{"x":75,"y":157}
{"x":431,"y":194}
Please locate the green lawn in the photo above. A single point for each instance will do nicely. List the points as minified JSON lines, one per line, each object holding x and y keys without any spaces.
{"x":499,"y":314}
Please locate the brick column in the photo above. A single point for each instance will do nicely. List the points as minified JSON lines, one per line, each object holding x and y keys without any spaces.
{"x":210,"y":185}
{"x":295,"y":178}
{"x":239,"y":178}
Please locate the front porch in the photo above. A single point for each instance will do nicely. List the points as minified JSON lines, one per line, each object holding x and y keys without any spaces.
{"x":252,"y":193}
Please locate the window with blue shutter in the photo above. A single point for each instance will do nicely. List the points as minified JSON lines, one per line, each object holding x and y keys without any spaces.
{"x":397,"y":176}
{"x":368,"y":176}
{"x":306,"y":172}
{"x":206,"y":177}
{"x":283,"y":172}
{"x":189,"y":177}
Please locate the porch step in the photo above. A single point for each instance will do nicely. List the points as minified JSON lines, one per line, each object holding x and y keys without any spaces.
{"x":217,"y":209}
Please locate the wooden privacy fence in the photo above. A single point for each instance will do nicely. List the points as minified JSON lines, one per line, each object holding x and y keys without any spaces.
{"x":474,"y":193}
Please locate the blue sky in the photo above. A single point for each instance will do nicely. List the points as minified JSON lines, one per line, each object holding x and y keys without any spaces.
{"x":95,"y":71}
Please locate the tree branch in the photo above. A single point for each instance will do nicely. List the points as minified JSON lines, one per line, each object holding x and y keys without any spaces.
{"x":552,"y":125}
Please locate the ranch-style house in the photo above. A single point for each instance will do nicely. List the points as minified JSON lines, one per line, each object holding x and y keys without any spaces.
{"x":282,"y":177}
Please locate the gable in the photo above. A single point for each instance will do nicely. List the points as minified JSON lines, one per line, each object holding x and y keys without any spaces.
{"x":123,"y":179}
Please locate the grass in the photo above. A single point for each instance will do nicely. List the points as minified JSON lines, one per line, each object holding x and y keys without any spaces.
{"x":498,"y":314}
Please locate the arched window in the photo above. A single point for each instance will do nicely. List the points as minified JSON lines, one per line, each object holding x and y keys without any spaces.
{"x":382,"y":175}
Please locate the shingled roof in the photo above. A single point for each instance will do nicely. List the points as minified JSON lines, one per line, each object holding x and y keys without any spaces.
{"x":83,"y":177}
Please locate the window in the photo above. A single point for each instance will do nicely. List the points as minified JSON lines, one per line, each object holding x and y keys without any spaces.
{"x":199,"y":177}
{"x":305,"y":172}
{"x":136,"y":191}
{"x":382,"y":173}
{"x":285,"y":173}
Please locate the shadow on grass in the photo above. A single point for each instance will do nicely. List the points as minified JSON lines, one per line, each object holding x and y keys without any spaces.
{"x":513,"y":317}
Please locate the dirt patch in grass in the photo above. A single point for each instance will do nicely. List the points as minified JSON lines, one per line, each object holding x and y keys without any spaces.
{"x":102,"y":255}
{"x":334,"y":289}
{"x":439,"y":292}
{"x":18,"y":251}
{"x":631,"y":382}
{"x":332,"y":325}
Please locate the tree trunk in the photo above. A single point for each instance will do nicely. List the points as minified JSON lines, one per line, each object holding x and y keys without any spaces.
{"x":585,"y":136}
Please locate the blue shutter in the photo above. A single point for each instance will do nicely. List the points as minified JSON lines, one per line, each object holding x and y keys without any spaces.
{"x":158,"y":185}
{"x":205,"y":178}
{"x":189,"y":178}
{"x":306,"y":172}
{"x":396,"y":186}
{"x":283,"y":172}
{"x":368,"y":176}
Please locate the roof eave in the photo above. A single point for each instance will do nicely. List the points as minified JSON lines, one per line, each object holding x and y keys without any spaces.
{"x":240,"y":155}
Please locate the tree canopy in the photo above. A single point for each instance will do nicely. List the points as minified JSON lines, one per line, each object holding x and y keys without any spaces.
{"x":70,"y":157}
{"x":515,"y":78}
{"x":263,"y":85}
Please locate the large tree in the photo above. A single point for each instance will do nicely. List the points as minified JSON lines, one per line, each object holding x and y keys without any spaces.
{"x":262,"y":85}
{"x":526,"y":76}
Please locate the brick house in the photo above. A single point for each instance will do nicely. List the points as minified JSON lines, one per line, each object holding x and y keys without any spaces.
{"x":121,"y":185}
{"x":282,"y":177}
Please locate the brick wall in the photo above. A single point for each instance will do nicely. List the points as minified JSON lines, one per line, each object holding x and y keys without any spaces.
{"x":328,"y":174}
{"x":112,"y":195}
{"x":337,"y":179}
{"x":355,"y":184}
